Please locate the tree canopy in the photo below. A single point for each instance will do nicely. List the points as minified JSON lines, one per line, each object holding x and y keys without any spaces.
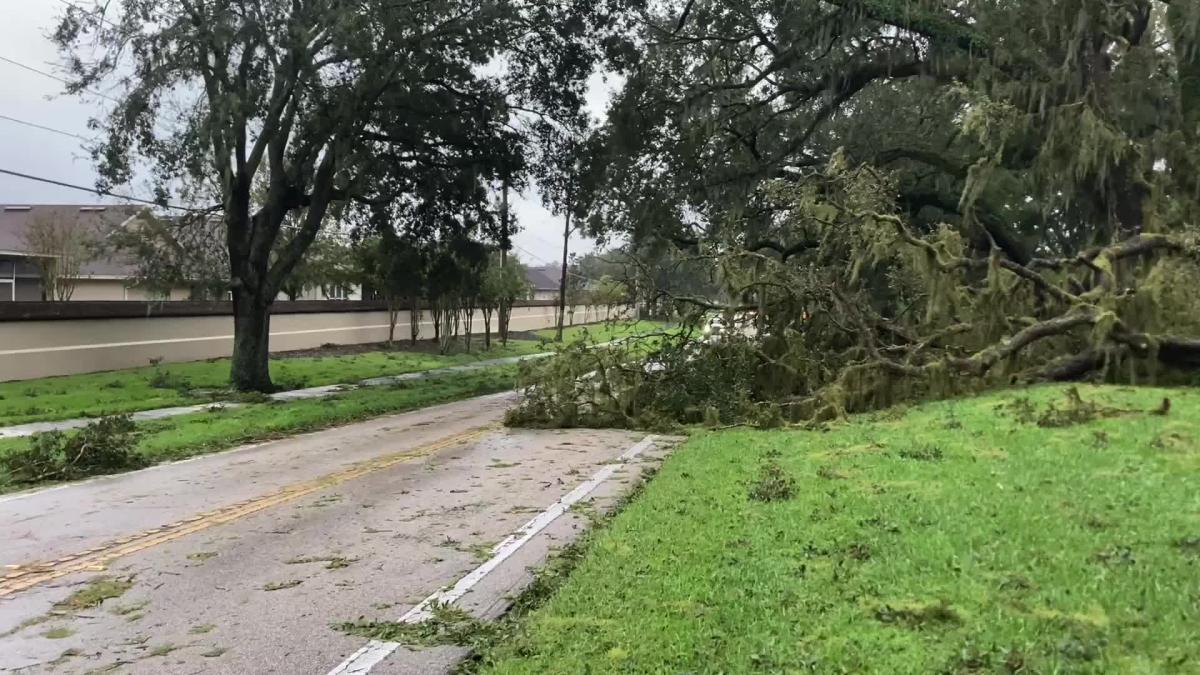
{"x":906,"y":197}
{"x":322,"y":102}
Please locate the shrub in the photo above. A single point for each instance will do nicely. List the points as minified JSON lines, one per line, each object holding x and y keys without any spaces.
{"x":103,"y":446}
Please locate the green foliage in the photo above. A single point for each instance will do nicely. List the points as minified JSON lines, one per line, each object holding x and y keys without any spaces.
{"x":876,"y":314}
{"x":104,"y":446}
{"x":328,"y":265}
{"x":505,"y":281}
{"x":653,"y":383}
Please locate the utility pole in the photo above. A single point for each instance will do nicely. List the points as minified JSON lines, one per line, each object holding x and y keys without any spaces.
{"x":562,"y":284}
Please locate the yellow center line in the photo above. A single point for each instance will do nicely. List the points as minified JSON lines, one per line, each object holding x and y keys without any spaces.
{"x":23,"y":577}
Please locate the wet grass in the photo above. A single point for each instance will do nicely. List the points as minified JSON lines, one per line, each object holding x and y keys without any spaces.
{"x":955,"y":537}
{"x":220,"y":429}
{"x":179,"y":384}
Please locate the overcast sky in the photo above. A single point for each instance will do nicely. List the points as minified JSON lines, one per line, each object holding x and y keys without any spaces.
{"x":37,"y":99}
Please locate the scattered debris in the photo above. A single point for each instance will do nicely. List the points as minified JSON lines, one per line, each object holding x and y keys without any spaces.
{"x":58,"y":633}
{"x":919,"y":615}
{"x":95,"y":593}
{"x":1077,"y":410}
{"x":773,"y":484}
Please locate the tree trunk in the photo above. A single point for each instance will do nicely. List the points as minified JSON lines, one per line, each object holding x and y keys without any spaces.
{"x":393,"y":313}
{"x":504,"y":313}
{"x":562,"y":283}
{"x":250,"y":369}
{"x":487,"y":328}
{"x":468,"y":323}
{"x":414,"y":321}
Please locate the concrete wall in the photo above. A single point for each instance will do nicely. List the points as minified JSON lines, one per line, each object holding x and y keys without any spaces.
{"x":32,"y":349}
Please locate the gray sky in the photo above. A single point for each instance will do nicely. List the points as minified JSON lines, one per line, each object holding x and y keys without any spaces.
{"x":37,"y":99}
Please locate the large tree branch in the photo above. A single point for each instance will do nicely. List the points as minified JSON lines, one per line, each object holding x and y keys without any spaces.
{"x":935,"y":25}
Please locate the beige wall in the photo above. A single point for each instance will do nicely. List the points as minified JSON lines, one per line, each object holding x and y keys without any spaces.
{"x":31,"y":349}
{"x":115,"y":289}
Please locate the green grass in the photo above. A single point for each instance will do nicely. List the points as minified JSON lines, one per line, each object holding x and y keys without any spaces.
{"x":176,"y":384}
{"x":603,"y":332}
{"x":954,"y":537}
{"x":115,"y":392}
{"x":188,"y":435}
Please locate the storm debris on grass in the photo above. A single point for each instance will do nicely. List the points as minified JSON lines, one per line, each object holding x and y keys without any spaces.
{"x":1075,"y":410}
{"x":95,"y":593}
{"x":773,"y":484}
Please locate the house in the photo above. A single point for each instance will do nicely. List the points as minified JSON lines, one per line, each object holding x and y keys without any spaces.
{"x":31,"y":236}
{"x":64,"y":227}
{"x":544,"y":281}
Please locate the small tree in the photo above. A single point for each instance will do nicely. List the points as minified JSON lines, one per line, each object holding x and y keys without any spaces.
{"x":176,"y":252}
{"x":610,"y":292}
{"x":472,"y":258}
{"x":61,"y":247}
{"x":504,"y":280}
{"x":396,"y":268}
{"x":329,"y":263}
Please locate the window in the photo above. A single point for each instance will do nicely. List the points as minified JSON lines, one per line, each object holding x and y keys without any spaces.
{"x":8,"y":280}
{"x":336,"y":292}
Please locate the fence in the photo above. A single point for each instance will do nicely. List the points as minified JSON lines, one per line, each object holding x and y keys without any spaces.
{"x":45,"y":339}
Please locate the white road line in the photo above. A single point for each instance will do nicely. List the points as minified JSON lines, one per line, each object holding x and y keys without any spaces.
{"x":375,"y":651}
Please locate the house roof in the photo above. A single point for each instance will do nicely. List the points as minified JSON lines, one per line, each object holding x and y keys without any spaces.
{"x":99,"y":218}
{"x":544,"y":278}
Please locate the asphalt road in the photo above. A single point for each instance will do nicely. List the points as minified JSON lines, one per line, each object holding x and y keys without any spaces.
{"x":241,"y":562}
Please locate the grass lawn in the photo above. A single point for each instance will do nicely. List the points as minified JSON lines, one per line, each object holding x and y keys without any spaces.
{"x":188,"y":435}
{"x":604,"y":332}
{"x":175,"y":384}
{"x":115,"y":392}
{"x":953,"y":537}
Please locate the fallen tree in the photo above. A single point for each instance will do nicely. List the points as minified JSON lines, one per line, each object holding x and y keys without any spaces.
{"x":872,"y":313}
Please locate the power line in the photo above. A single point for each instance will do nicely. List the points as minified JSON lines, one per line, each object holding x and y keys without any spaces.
{"x":43,"y":128}
{"x":53,"y":77}
{"x":96,"y":191}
